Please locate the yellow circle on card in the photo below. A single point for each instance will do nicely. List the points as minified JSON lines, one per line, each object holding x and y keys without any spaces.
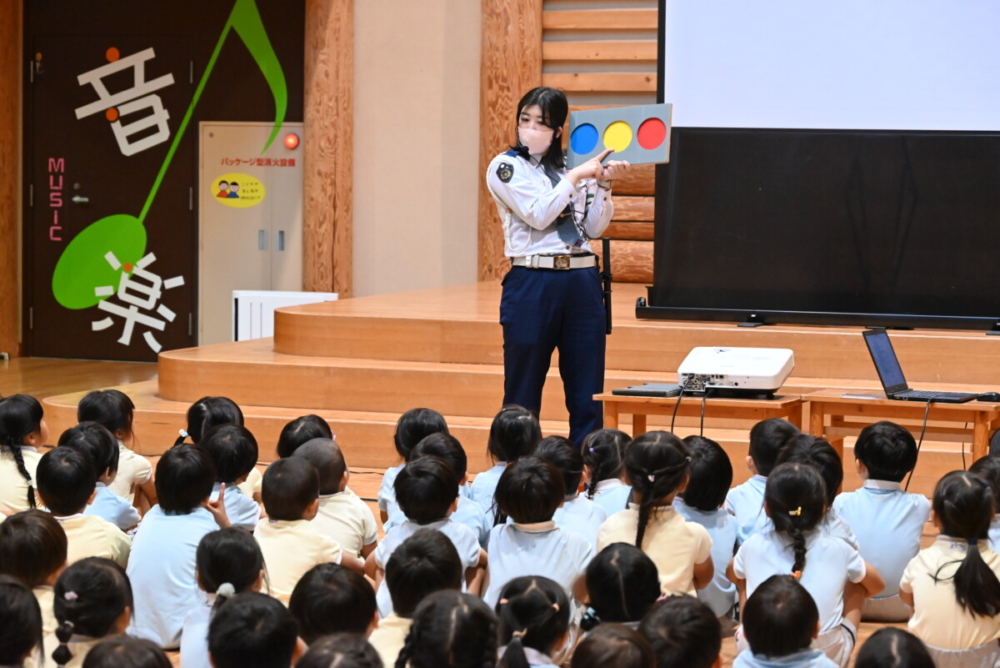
{"x":618,"y":136}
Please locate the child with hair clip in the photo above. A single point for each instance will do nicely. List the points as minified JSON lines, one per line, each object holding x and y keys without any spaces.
{"x":684,"y":633}
{"x":233,"y":451}
{"x":228,"y":562}
{"x":22,"y":432}
{"x":534,"y":619}
{"x":210,"y":412}
{"x":20,"y":623}
{"x":988,"y":468}
{"x":657,"y":466}
{"x":93,"y":600}
{"x":622,"y":584}
{"x":604,"y":466}
{"x":101,"y":446}
{"x":331,"y":598}
{"x":577,"y":514}
{"x":795,"y":500}
{"x":252,"y":629}
{"x":33,"y":550}
{"x":114,"y":410}
{"x":953,"y":585}
{"x":893,"y":648}
{"x":514,"y":433}
{"x":340,"y":650}
{"x":412,"y":427}
{"x":126,"y":652}
{"x":451,"y":630}
{"x":613,"y":646}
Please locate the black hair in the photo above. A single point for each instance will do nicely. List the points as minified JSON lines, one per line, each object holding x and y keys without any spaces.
{"x":963,"y":504}
{"x":414,"y":426}
{"x":328,"y":460}
{"x":126,"y":652}
{"x":20,"y":622}
{"x":529,"y":490}
{"x":32,"y":547}
{"x":340,"y":650}
{"x":604,"y":452}
{"x":994,"y":450}
{"x":514,"y":433}
{"x":887,"y":450}
{"x":331,"y":598}
{"x":233,"y":450}
{"x":819,"y":454}
{"x":112,"y":408}
{"x":66,"y":480}
{"x":95,"y":440}
{"x":445,"y":447}
{"x":623,"y":584}
{"x":185,"y":476}
{"x":795,"y":499}
{"x":893,"y":648}
{"x":425,"y":489}
{"x":988,"y":468}
{"x":780,"y":617}
{"x":252,"y":629}
{"x":209,"y":412}
{"x":424,"y":563}
{"x":613,"y":646}
{"x":561,"y":453}
{"x":451,"y":630}
{"x":684,"y":633}
{"x":289,"y":486}
{"x":555,"y":109}
{"x":20,"y":416}
{"x":228,"y":556}
{"x":301,"y":430}
{"x":533,"y":612}
{"x":767,"y":438}
{"x":656,"y":463}
{"x":89,"y":597}
{"x":710,"y":474}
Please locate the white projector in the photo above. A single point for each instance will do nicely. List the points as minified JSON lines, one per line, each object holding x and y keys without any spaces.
{"x":735,"y":371}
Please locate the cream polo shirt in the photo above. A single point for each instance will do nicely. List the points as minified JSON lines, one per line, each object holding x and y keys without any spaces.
{"x":46,"y":597}
{"x":347,"y":519}
{"x":133,"y":470}
{"x":92,"y":536}
{"x":252,"y":485}
{"x":674,"y":544}
{"x":13,"y":487}
{"x":290,"y":549}
{"x":390,"y":636}
{"x":938,"y":619}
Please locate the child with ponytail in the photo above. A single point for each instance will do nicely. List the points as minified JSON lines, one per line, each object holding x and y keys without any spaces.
{"x":115,"y":410}
{"x":657,"y":466}
{"x":604,"y":466}
{"x":534,"y":622}
{"x":22,"y":431}
{"x":92,"y":601}
{"x":20,"y":623}
{"x":33,"y":550}
{"x":514,"y":434}
{"x":954,"y":585}
{"x":450,"y":630}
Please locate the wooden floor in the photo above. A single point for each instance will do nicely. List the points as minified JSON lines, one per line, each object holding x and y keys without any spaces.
{"x":43,"y":377}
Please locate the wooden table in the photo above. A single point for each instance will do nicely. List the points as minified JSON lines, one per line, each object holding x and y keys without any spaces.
{"x":787,"y":407}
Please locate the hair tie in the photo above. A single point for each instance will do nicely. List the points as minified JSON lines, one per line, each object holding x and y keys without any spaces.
{"x":652,"y":477}
{"x":183,"y":433}
{"x":226,"y":589}
{"x":797,"y":575}
{"x":519,"y":634}
{"x":504,"y":601}
{"x":556,"y":606}
{"x":70,"y":596}
{"x":973,"y":541}
{"x":591,"y":450}
{"x":796,"y":513}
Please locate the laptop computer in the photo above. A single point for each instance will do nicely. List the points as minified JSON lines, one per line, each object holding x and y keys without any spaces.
{"x":891,"y":374}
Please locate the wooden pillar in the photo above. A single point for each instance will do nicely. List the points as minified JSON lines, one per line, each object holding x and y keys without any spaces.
{"x":511,"y":65}
{"x":329,"y":146}
{"x":10,"y":167}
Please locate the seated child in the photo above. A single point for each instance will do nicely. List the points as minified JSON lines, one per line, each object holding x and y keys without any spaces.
{"x":102,"y":447}
{"x":577,"y":514}
{"x":988,"y":468}
{"x":451,"y":630}
{"x":114,"y":410}
{"x":66,"y":484}
{"x":253,"y":629}
{"x":887,"y":521}
{"x":604,"y":469}
{"x":412,"y":427}
{"x":426,"y":562}
{"x":341,"y":516}
{"x":20,"y":623}
{"x":684,"y":633}
{"x":126,"y":652}
{"x":819,"y":454}
{"x":622,"y":584}
{"x":534,"y":614}
{"x":341,"y":650}
{"x":33,"y":550}
{"x":22,"y":432}
{"x":333,"y":599}
{"x":301,"y":430}
{"x":93,"y":601}
{"x":613,"y":646}
{"x":514,"y":434}
{"x":233,"y":451}
{"x":210,"y":412}
{"x":893,"y":648}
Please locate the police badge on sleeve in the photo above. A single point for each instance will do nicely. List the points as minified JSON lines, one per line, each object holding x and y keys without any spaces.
{"x":505,"y":171}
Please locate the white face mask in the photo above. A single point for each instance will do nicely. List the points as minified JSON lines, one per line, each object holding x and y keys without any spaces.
{"x":537,"y":141}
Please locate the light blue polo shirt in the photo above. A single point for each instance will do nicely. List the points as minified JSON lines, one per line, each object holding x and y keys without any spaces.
{"x":485,"y":485}
{"x":612,"y":495}
{"x":387,"y":490}
{"x":467,"y":512}
{"x":720,"y":595}
{"x":810,"y":658}
{"x":241,"y":509}
{"x":113,"y":508}
{"x":995,"y":534}
{"x":581,"y":516}
{"x":746,"y":503}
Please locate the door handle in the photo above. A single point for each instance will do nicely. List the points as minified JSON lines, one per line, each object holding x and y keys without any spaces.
{"x":262,"y":240}
{"x":77,"y":199}
{"x":281,"y":240}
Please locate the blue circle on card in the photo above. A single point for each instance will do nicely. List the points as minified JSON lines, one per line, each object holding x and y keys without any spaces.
{"x":584,"y":139}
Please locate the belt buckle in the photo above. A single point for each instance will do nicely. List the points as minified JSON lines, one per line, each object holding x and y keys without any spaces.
{"x":560,"y":262}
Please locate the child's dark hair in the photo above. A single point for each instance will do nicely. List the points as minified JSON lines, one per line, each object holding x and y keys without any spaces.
{"x":604,"y":452}
{"x":425,"y":489}
{"x":252,"y":629}
{"x":126,"y":652}
{"x":988,"y":468}
{"x":233,"y":450}
{"x":529,"y":490}
{"x":684,"y":633}
{"x":445,"y":447}
{"x":780,"y":617}
{"x":994,"y":450}
{"x":20,"y":416}
{"x":95,"y":440}
{"x":561,"y":453}
{"x":657,"y":464}
{"x":185,"y":476}
{"x":231,"y":557}
{"x":414,"y":426}
{"x":301,"y":430}
{"x":326,"y":457}
{"x":795,"y":499}
{"x":331,"y":598}
{"x":426,"y":562}
{"x":533,"y":612}
{"x":819,"y":454}
{"x":613,"y":646}
{"x":20,"y":622}
{"x":209,"y":412}
{"x":89,"y":597}
{"x":887,"y":450}
{"x":451,"y":630}
{"x":963,"y":504}
{"x":767,"y":438}
{"x":112,"y":408}
{"x":290,"y":485}
{"x":66,"y":480}
{"x":893,"y":648}
{"x":514,"y":433}
{"x":710,"y":474}
{"x":623,"y":584}
{"x":340,"y":650}
{"x":32,"y":547}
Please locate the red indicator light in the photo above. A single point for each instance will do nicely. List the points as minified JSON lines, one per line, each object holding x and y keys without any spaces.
{"x":291,"y":140}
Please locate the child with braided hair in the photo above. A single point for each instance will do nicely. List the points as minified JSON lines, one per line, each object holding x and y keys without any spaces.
{"x":20,"y":623}
{"x":22,"y":431}
{"x":92,"y":601}
{"x":604,"y":467}
{"x":534,"y":622}
{"x":33,"y":550}
{"x":451,"y":630}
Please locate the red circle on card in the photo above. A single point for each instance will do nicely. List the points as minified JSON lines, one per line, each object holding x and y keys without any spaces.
{"x":651,"y":133}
